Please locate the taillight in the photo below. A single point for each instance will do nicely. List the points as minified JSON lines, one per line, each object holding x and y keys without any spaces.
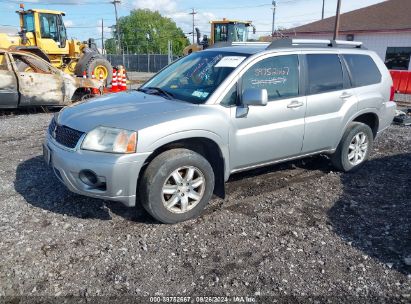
{"x":392,"y":93}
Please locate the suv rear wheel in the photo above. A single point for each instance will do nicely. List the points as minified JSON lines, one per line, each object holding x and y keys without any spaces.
{"x":354,"y":147}
{"x":176,"y":186}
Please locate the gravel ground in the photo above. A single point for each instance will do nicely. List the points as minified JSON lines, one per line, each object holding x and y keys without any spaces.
{"x":295,"y":231}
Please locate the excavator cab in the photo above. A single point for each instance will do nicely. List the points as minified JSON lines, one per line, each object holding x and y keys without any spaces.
{"x":229,"y":31}
{"x":52,"y":27}
{"x":222,"y":32}
{"x":45,"y":29}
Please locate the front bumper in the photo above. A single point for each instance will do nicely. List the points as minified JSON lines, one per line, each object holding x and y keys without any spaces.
{"x":119,"y":173}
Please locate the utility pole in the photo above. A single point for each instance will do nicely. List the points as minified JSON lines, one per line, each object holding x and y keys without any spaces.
{"x":102,"y":36}
{"x":193,"y":13}
{"x":322,"y":14}
{"x":337,"y":20}
{"x":115,"y":2}
{"x":273,"y":28}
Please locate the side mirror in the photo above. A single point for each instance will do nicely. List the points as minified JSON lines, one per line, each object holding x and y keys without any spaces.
{"x":255,"y":97}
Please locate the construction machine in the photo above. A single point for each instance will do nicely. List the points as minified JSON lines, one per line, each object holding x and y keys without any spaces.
{"x":222,"y":32}
{"x":43,"y":33}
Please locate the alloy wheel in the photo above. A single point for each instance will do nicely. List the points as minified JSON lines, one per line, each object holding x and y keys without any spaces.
{"x":358,"y":148}
{"x":183,"y":189}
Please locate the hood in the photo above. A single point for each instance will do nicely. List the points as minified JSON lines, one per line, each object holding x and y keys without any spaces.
{"x":128,"y":110}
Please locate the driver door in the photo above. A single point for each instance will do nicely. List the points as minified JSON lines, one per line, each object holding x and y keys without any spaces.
{"x":275,"y":131}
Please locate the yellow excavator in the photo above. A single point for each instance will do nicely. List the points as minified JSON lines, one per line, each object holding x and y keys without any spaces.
{"x":43,"y":33}
{"x":222,"y":32}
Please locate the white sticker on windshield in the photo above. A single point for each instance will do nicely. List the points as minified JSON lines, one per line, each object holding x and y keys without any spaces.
{"x":200,"y":94}
{"x":230,"y":62}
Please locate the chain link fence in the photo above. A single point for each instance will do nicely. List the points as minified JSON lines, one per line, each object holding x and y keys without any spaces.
{"x":140,"y":62}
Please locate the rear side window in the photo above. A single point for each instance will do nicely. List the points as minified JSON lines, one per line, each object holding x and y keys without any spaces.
{"x":363,"y":70}
{"x":324,"y":73}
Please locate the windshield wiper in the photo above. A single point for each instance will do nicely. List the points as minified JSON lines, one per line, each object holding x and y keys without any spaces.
{"x":156,"y":90}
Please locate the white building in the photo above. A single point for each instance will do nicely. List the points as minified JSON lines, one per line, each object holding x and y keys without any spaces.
{"x":384,"y":28}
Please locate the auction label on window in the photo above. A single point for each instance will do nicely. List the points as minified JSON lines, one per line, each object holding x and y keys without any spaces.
{"x":230,"y":62}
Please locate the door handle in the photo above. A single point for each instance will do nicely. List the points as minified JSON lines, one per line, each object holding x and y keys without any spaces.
{"x":295,"y":104}
{"x":345,"y":95}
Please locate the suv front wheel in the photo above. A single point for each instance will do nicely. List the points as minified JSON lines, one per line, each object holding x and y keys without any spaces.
{"x":354,"y":147}
{"x":176,"y":186}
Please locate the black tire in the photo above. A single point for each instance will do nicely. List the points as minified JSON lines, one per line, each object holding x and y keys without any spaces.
{"x":96,"y":61}
{"x":340,"y":157}
{"x":158,"y":172}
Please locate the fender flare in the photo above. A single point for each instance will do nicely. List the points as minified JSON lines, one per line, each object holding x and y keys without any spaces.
{"x":353,"y":117}
{"x":194,"y":134}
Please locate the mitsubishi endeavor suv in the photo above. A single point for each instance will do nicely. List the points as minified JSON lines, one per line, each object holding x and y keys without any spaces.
{"x":173,"y":143}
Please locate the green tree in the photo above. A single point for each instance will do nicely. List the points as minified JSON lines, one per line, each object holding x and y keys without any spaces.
{"x":110,"y":46}
{"x":147,"y":31}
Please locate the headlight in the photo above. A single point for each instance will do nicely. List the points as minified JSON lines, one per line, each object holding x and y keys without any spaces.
{"x":105,"y":139}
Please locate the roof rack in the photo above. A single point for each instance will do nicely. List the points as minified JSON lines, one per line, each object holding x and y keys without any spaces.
{"x":250,"y":43}
{"x":239,"y":43}
{"x":289,"y":43}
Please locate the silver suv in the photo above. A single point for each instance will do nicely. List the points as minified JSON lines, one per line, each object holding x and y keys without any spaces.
{"x":174,"y":142}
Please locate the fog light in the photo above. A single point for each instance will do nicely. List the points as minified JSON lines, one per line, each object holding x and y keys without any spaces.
{"x":88,"y":177}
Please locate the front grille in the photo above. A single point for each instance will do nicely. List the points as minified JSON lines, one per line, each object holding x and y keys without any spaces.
{"x":64,"y":135}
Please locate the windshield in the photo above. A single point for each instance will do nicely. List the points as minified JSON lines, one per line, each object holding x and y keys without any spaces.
{"x":195,"y":77}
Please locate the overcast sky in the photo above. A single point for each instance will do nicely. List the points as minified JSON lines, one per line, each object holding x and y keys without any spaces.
{"x":83,"y":17}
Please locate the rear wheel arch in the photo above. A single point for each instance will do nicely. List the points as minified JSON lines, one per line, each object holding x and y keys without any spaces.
{"x":370,"y":119}
{"x":204,"y":146}
{"x":356,"y":142}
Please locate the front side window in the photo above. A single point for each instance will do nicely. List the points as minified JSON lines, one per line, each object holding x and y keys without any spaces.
{"x":194,"y":78}
{"x":239,"y":32}
{"x":48,"y":25}
{"x":279,"y":75}
{"x":31,"y":64}
{"x":28,"y":22}
{"x":324,"y":73}
{"x":363,"y":70}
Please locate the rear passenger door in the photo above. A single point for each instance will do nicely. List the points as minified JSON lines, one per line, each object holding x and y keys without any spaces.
{"x":366,"y":80}
{"x":330,"y":100}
